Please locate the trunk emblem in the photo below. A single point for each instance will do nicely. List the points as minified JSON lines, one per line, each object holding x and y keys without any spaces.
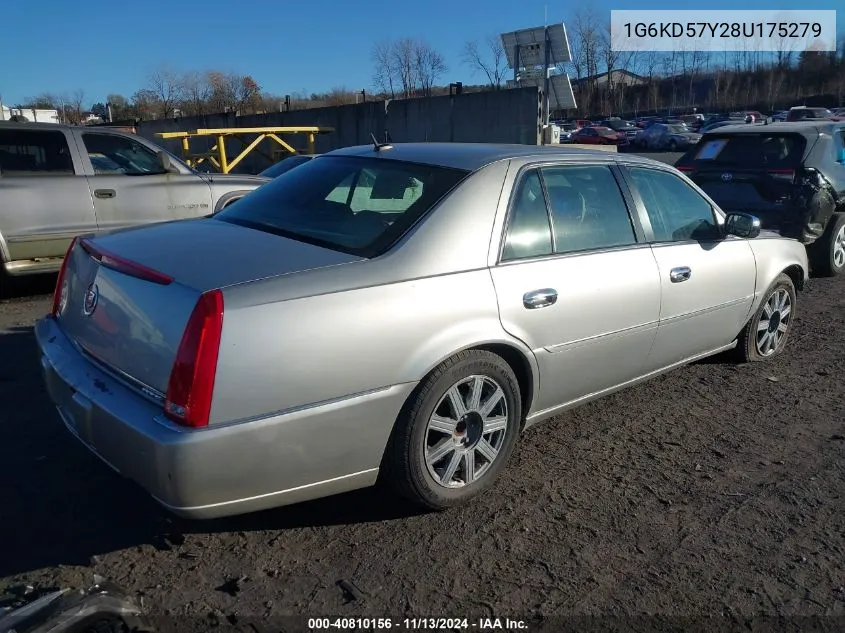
{"x":727,"y":177}
{"x":92,"y":296}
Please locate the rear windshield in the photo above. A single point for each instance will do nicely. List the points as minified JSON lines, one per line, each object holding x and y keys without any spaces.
{"x":284,"y":165}
{"x":349,"y":204}
{"x":751,"y":150}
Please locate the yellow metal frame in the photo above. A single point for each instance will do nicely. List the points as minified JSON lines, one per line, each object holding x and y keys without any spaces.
{"x":217,"y":156}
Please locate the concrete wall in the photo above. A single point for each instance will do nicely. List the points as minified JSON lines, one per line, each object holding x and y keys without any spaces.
{"x":506,"y":116}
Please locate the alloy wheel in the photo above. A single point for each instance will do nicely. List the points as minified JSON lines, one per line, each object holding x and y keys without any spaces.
{"x":774,"y":322}
{"x":466,"y":431}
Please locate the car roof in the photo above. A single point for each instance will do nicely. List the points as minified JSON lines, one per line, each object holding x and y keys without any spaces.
{"x":32,"y":125}
{"x":474,"y":156}
{"x":794,"y":127}
{"x":35,"y":125}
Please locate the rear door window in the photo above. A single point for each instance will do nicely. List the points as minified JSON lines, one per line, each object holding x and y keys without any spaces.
{"x":34,"y":153}
{"x":767,"y":151}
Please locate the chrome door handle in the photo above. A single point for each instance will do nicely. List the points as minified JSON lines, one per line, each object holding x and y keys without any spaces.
{"x":539,"y":298}
{"x":105,"y":193}
{"x":679,"y":274}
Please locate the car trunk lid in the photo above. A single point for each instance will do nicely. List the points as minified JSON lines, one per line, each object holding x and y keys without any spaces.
{"x":126,"y":297}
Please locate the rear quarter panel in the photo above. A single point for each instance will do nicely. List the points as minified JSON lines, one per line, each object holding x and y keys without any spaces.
{"x":280,"y":356}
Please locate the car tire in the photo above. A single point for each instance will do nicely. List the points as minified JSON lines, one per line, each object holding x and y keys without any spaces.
{"x":426,"y":463}
{"x":673,"y":146}
{"x":828,"y":252}
{"x":759,"y":341}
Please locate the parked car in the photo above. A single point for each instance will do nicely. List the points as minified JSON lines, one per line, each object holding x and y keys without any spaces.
{"x":780,"y":116}
{"x":286,"y":164}
{"x":644,"y":122}
{"x":598,"y":135}
{"x":718,"y":124}
{"x":623,"y":127}
{"x":59,"y":181}
{"x":802,"y":113}
{"x":317,"y":334}
{"x":791,"y":175}
{"x":667,"y":137}
{"x":566,"y":130}
{"x":693,"y":121}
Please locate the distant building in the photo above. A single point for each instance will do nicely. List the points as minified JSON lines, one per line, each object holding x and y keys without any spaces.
{"x":33,"y":115}
{"x":614,"y":77}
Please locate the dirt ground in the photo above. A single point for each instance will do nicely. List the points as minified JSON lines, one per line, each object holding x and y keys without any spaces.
{"x":715,"y":490}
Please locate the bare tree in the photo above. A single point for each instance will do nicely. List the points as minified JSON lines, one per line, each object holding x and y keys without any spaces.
{"x":223,"y":97}
{"x":384,"y":77}
{"x":585,"y":54}
{"x":429,"y":66}
{"x":145,"y":104}
{"x":44,"y":100}
{"x":72,"y":106}
{"x":404,"y":55}
{"x":197,"y":92}
{"x":168,"y":87}
{"x":491,"y":61}
{"x":614,"y":60}
{"x":247,"y":93}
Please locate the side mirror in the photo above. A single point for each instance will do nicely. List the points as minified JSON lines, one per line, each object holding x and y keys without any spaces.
{"x":164,"y":161}
{"x":742,"y":225}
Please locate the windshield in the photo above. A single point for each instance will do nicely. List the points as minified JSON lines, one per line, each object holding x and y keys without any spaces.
{"x":677,"y":128}
{"x":349,"y":204}
{"x":603,"y":131}
{"x":284,"y":165}
{"x":753,"y":150}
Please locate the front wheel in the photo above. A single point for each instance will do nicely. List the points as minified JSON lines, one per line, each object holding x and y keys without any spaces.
{"x":765,"y":335}
{"x":456,"y":432}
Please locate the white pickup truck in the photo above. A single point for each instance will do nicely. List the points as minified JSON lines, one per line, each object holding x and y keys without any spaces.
{"x":57,"y":182}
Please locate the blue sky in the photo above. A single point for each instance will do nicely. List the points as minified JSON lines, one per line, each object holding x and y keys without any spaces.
{"x":286,"y":45}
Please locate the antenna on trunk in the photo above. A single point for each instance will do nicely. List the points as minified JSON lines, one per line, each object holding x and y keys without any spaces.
{"x":379,"y":146}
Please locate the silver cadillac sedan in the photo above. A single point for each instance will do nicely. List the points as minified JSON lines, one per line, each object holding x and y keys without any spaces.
{"x":397,"y":314}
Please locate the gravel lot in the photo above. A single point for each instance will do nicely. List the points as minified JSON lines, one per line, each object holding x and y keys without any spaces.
{"x":715,"y":490}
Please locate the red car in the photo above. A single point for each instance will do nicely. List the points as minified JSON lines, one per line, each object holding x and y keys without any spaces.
{"x":597,"y":135}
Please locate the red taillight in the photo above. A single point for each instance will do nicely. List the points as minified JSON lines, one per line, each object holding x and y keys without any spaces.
{"x":782,"y":174}
{"x":684,"y":169}
{"x":191,"y":385}
{"x":60,"y":281}
{"x":125,"y":266}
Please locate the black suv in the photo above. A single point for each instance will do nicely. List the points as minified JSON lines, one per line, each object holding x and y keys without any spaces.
{"x":790,"y":175}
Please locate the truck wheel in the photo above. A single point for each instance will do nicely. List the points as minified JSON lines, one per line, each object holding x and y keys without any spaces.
{"x":828,"y":253}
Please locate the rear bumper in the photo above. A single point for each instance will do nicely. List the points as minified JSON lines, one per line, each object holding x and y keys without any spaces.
{"x":222,"y":470}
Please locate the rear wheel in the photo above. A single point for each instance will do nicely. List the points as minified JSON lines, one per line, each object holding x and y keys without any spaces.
{"x":766,"y":333}
{"x":828,"y":253}
{"x":673,"y":146}
{"x":456,"y":432}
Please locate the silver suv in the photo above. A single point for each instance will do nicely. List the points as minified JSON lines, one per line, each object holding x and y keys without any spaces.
{"x":59,"y":181}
